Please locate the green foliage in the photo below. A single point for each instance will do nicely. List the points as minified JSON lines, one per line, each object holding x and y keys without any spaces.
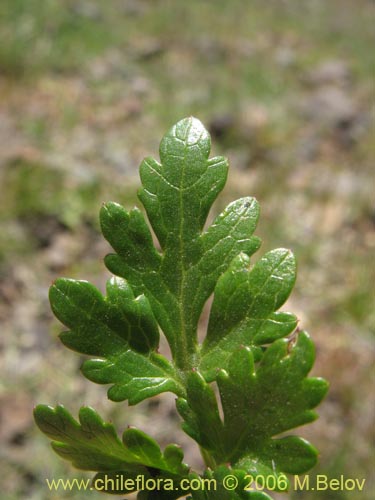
{"x":258,"y":403}
{"x":260,"y":372}
{"x":122,"y":331}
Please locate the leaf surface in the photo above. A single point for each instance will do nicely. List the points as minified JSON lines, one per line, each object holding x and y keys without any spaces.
{"x":92,"y":444}
{"x":177,"y":194}
{"x":244,"y":307}
{"x":119,"y":328}
{"x":260,"y":373}
{"x":259,"y":401}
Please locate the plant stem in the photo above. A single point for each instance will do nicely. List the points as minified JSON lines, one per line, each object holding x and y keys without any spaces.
{"x":208,"y":458}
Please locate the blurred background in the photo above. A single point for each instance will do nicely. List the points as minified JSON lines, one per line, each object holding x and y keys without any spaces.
{"x":87,"y":88}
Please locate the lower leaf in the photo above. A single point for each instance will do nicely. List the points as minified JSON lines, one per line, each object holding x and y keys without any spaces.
{"x":92,"y":444}
{"x":135,"y":376}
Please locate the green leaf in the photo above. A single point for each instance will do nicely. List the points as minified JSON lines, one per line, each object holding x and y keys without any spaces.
{"x":92,"y":444}
{"x":177,"y":194}
{"x":259,"y":402}
{"x":201,"y":414}
{"x":119,"y":328}
{"x":243,"y":310}
{"x":261,"y":374}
